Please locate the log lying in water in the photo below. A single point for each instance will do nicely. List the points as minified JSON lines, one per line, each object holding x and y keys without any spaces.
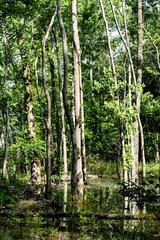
{"x":89,"y":215}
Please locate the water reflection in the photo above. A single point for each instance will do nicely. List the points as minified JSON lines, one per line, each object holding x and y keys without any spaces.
{"x":100,"y":197}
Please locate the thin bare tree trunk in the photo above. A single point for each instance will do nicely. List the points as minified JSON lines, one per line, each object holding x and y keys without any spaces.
{"x":130,"y":134}
{"x":48,"y":99}
{"x":64,"y":144}
{"x":136,"y":133}
{"x":5,"y":112}
{"x":124,"y":42}
{"x":83,"y":145}
{"x":5,"y":160}
{"x":142,"y":148}
{"x":132,"y":140}
{"x":114,"y":75}
{"x":63,"y":130}
{"x":156,"y":48}
{"x":109,"y":45}
{"x":68,"y":111}
{"x":157,"y":148}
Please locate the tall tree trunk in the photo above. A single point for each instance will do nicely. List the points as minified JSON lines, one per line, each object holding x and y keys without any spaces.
{"x":139,"y":81}
{"x":56,"y":122}
{"x":125,"y":41}
{"x":63,"y":130}
{"x":133,"y":136}
{"x":77,"y":166}
{"x":67,"y":108}
{"x":5,"y":112}
{"x":48,"y":99}
{"x":109,"y":45}
{"x":64,"y":144}
{"x":135,"y":140}
{"x":114,"y":75}
{"x":83,"y":145}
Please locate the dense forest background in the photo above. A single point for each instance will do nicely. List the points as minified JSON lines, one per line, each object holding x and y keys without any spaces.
{"x":76,"y":94}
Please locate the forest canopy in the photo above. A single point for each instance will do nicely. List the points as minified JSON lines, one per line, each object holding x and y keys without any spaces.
{"x":79,"y":86}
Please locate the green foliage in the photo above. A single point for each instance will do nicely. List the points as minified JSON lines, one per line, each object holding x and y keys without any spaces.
{"x":141,"y":194}
{"x":29,"y":148}
{"x":107,"y":107}
{"x":153,"y":171}
{"x":22,"y":154}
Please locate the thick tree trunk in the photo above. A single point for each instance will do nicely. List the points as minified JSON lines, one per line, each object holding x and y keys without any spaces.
{"x":138,"y":138}
{"x":77,"y":165}
{"x":28,"y":102}
{"x":68,"y":111}
{"x":39,"y":95}
{"x":139,"y":81}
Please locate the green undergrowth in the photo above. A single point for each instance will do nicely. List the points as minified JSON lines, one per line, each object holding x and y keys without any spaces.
{"x":10,"y":190}
{"x":100,"y":167}
{"x":153,"y":169}
{"x":8,"y":197}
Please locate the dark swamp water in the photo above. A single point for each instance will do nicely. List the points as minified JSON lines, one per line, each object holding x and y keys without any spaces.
{"x":84,"y":219}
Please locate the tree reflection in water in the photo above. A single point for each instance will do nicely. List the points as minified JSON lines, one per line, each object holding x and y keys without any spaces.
{"x":82,"y":222}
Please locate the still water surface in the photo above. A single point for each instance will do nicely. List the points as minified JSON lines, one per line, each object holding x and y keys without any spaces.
{"x":101,"y":197}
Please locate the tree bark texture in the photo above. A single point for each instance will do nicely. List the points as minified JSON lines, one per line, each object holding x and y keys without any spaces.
{"x":139,"y":81}
{"x":28,"y":101}
{"x":67,"y":108}
{"x":77,"y":165}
